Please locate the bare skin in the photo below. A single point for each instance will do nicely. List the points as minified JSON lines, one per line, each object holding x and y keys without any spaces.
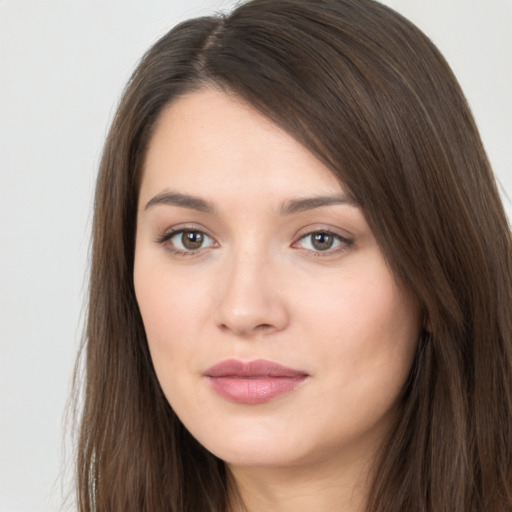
{"x":248,"y":249}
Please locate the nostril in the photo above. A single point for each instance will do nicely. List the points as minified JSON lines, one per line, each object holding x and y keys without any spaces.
{"x":250,"y":309}
{"x":245,"y":331}
{"x":263,"y":327}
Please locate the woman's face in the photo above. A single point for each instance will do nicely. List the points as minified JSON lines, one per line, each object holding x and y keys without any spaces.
{"x":277,"y":332}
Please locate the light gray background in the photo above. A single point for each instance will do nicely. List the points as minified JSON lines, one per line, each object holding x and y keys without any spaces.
{"x":63,"y":65}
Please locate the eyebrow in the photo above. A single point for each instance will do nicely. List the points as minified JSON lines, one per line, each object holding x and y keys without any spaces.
{"x":308,"y":203}
{"x":288,"y":208}
{"x":182,"y":200}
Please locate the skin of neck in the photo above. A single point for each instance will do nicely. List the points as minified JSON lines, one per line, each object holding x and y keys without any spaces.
{"x":338,"y":483}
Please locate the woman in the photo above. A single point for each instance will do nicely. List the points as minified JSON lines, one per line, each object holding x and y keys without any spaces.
{"x":301,"y":277}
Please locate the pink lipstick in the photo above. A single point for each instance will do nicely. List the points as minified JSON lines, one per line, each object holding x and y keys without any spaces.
{"x":253,"y":382}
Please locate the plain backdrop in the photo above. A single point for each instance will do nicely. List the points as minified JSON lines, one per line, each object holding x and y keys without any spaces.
{"x":63,"y":65}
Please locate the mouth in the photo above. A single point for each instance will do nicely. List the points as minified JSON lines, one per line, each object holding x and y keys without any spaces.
{"x":253,"y":382}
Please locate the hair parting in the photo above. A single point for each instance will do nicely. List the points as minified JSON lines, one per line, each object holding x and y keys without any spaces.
{"x":367,"y":93}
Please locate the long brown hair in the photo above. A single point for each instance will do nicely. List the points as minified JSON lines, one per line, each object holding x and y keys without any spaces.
{"x":370,"y":95}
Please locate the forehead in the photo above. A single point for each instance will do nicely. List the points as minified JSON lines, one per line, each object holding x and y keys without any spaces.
{"x":209,"y":142}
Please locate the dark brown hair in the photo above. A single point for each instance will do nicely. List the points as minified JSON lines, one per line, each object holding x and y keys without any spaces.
{"x":370,"y":95}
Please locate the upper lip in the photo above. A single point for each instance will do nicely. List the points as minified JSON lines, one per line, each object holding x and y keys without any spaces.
{"x":252,"y":369}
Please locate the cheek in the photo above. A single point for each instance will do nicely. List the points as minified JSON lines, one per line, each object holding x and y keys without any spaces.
{"x":368,"y":327}
{"x":369,"y":338}
{"x":173,"y":312}
{"x":170,"y":310}
{"x":365,"y":303}
{"x":168,"y":299}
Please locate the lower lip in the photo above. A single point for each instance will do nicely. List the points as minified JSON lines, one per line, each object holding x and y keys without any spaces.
{"x":254,"y":390}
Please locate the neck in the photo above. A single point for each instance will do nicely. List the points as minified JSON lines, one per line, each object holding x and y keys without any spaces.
{"x":325,"y":487}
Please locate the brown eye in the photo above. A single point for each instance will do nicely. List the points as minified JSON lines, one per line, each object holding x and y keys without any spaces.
{"x":192,"y":240}
{"x":322,"y":241}
{"x":187,"y":241}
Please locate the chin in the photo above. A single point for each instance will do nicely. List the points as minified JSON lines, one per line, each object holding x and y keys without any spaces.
{"x":263,"y":448}
{"x":251,"y":446}
{"x":257,"y":456}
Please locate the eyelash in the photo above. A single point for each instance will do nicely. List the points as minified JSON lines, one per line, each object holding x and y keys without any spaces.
{"x":167,"y":237}
{"x":343,"y":242}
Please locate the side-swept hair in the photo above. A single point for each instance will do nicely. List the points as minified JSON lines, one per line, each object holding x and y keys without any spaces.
{"x":367,"y":93}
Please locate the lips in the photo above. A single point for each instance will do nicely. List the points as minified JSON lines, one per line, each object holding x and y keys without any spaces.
{"x":253,"y":382}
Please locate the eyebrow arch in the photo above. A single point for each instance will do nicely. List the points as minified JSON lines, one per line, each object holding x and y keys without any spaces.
{"x":308,"y":203}
{"x":182,"y":200}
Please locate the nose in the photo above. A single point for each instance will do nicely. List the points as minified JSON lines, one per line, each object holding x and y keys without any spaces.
{"x":251,"y":301}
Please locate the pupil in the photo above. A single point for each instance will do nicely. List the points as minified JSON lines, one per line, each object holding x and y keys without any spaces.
{"x":192,"y":239}
{"x":322,"y":241}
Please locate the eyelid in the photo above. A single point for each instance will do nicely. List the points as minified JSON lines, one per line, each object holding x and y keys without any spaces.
{"x":185,"y":226}
{"x":344,"y":241}
{"x":170,"y":233}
